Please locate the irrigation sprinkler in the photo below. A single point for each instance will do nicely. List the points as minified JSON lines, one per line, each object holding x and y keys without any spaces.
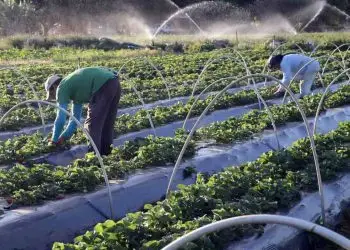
{"x":148,"y":61}
{"x":260,"y":219}
{"x":323,"y":97}
{"x":100,"y":160}
{"x":308,"y":130}
{"x":34,"y":92}
{"x":187,"y":15}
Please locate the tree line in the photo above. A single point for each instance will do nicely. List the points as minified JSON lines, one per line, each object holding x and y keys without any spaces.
{"x":39,"y":16}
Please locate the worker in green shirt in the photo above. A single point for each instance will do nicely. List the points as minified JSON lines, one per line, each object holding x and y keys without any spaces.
{"x":97,"y":86}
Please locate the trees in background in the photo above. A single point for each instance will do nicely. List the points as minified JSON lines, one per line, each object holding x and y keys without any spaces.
{"x":76,"y":16}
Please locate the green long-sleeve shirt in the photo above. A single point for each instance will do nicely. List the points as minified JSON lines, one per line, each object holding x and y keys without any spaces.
{"x":78,"y":87}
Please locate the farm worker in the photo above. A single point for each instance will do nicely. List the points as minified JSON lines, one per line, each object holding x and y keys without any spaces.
{"x":290,"y":64}
{"x":97,"y":86}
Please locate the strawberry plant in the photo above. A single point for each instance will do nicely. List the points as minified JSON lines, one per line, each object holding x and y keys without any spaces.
{"x":270,"y":183}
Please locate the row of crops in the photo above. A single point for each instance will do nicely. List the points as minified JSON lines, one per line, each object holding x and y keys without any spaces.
{"x":32,"y":183}
{"x":272,"y":182}
{"x":175,"y":75}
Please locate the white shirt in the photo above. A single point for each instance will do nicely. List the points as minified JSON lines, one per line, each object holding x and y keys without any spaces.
{"x":292,"y":63}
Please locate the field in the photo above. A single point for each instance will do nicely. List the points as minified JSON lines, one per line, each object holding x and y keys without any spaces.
{"x":159,"y":94}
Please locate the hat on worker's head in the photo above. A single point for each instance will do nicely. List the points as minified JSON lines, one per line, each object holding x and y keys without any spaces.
{"x":51,"y":80}
{"x":274,"y":62}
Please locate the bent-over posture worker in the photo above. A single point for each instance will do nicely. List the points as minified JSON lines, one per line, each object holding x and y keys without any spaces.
{"x":97,"y":86}
{"x":290,"y":65}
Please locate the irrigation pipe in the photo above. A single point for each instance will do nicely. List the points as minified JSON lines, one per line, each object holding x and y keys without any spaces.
{"x":85,"y":132}
{"x":261,"y":219}
{"x":330,"y":56}
{"x":256,"y":91}
{"x":254,"y":85}
{"x":142,"y":102}
{"x":147,"y":111}
{"x":229,"y":78}
{"x":343,"y":55}
{"x":225,"y":56}
{"x":309,"y":133}
{"x":208,"y":63}
{"x":323,"y":97}
{"x":314,"y":50}
{"x":34,"y":92}
{"x":146,"y":60}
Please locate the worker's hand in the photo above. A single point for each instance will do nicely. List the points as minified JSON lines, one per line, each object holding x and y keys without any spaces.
{"x":279,"y":92}
{"x":50,"y":142}
{"x":59,"y":142}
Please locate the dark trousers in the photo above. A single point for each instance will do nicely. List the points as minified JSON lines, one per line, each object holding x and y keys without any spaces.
{"x":101,"y":115}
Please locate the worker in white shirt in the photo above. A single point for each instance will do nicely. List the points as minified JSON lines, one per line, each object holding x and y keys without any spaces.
{"x":302,"y":67}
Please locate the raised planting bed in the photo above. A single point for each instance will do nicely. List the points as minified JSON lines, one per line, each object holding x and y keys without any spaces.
{"x":337,"y":193}
{"x":340,"y":224}
{"x":131,"y":114}
{"x":271,"y":183}
{"x":41,"y":182}
{"x":25,"y":147}
{"x":180,"y":73}
{"x":148,"y":187}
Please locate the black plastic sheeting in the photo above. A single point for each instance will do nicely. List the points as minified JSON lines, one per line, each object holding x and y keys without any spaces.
{"x":63,"y":220}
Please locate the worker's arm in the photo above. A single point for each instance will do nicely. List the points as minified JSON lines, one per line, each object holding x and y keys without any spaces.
{"x":59,"y":122}
{"x":287,"y":77}
{"x":72,"y":126}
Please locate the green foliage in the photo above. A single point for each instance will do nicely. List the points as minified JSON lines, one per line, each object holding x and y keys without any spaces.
{"x":272,"y":182}
{"x":34,"y":184}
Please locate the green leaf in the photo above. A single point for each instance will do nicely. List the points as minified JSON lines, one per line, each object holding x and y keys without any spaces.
{"x":99,"y":228}
{"x":109,"y":224}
